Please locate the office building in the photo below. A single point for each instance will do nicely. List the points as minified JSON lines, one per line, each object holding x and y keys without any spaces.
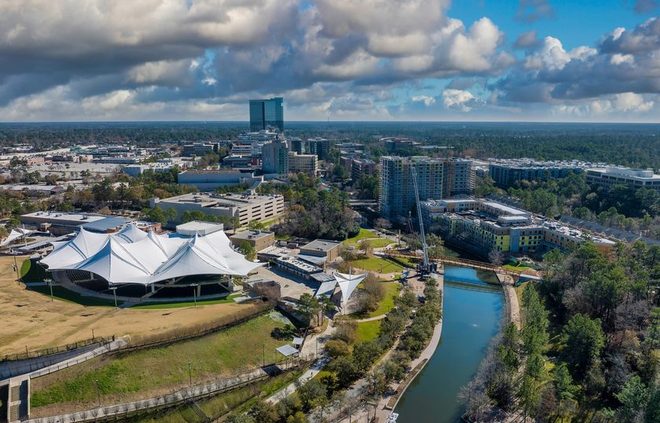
{"x":318,"y":146}
{"x":508,"y":172}
{"x":206,"y":180}
{"x":267,"y":113}
{"x":199,"y":149}
{"x":245,"y":207}
{"x":320,"y":251}
{"x":275,"y":158}
{"x":303,"y":163}
{"x":633,"y":178}
{"x":459,"y":176}
{"x":397,"y":195}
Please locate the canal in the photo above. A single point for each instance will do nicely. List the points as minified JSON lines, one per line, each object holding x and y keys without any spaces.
{"x":472,"y":316}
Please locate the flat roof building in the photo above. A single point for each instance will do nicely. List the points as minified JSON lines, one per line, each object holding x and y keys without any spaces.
{"x":303,"y":163}
{"x":327,"y":249}
{"x":245,"y":207}
{"x":206,"y":180}
{"x":61,"y":223}
{"x":508,"y":172}
{"x":634,"y":178}
{"x":257,"y":239}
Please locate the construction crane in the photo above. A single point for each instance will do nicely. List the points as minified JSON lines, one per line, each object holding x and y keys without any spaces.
{"x":425,"y":267}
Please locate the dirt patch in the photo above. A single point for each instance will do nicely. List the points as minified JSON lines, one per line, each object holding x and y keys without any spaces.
{"x":30,"y":319}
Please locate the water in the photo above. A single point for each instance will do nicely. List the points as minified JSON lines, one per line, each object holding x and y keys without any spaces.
{"x":472,"y":313}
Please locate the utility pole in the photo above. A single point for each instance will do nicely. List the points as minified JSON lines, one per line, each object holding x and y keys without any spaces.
{"x":189,"y":373}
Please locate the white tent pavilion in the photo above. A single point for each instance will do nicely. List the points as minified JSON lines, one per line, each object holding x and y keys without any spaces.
{"x":347,"y":284}
{"x":15,"y":234}
{"x":134,"y":256}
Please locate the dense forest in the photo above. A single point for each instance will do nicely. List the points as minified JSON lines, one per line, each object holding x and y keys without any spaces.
{"x":588,"y":347}
{"x":635,"y":145}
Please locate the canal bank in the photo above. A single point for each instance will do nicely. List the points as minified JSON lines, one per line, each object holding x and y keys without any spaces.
{"x":472,"y":315}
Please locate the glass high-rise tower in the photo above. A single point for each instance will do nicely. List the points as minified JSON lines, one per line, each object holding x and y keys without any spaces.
{"x":267,"y":113}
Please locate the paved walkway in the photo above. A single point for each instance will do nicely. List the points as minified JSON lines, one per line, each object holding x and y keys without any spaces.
{"x":313,"y":345}
{"x":371,"y":319}
{"x":512,"y":305}
{"x":382,"y":413}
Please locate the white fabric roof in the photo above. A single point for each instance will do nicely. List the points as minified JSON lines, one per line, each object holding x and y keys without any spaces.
{"x":81,"y":247}
{"x":16,"y":234}
{"x":133,"y":256}
{"x":347,"y":284}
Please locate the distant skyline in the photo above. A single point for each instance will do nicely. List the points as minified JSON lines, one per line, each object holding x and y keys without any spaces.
{"x":342,"y":60}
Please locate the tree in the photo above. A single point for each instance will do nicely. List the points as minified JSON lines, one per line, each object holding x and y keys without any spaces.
{"x":309,"y":307}
{"x":337,"y":348}
{"x":312,"y":394}
{"x":263,"y":412}
{"x":634,"y":397}
{"x":496,"y":257}
{"x":584,"y":341}
{"x":247,"y":250}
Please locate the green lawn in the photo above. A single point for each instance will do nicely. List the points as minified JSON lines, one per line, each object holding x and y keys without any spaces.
{"x":380,"y":242}
{"x":366,"y":331}
{"x":518,"y":268}
{"x":377,"y":264}
{"x":363,"y":234}
{"x":376,"y":241}
{"x":387,"y":304}
{"x":224,"y":353}
{"x":32,"y":272}
{"x":159,"y":306}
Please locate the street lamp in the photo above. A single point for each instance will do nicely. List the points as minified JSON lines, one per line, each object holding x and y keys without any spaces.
{"x":114,"y":293}
{"x":194,"y":286}
{"x":50,"y":285}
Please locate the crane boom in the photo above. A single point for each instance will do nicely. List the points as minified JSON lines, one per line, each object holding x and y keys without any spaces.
{"x":425,"y":249}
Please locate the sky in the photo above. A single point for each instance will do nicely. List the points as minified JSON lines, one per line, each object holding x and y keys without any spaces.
{"x":338,"y":60}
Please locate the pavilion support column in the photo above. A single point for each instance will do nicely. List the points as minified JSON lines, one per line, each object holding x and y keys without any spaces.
{"x":153,"y":288}
{"x":199,"y":290}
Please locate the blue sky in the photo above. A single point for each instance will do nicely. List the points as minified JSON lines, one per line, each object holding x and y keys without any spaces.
{"x":530,"y":60}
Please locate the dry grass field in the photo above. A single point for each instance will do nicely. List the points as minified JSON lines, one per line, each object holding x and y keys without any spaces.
{"x":30,"y":319}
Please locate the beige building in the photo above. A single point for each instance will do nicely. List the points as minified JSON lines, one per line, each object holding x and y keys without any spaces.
{"x":258,"y":239}
{"x":303,"y":163}
{"x":326,"y":249}
{"x":246,"y":207}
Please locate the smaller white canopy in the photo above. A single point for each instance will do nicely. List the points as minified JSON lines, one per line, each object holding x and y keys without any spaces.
{"x":347,"y":284}
{"x":16,"y":234}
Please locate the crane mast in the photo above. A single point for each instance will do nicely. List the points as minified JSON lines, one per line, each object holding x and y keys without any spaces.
{"x":425,"y":268}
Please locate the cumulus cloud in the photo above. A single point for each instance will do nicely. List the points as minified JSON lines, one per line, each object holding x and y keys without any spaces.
{"x":190,"y":59}
{"x":427,"y":100}
{"x":459,"y":99}
{"x":624,"y":62}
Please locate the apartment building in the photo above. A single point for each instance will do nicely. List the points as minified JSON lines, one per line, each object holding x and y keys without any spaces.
{"x":508,"y":172}
{"x":483,"y":226}
{"x":397,"y":195}
{"x":459,"y":177}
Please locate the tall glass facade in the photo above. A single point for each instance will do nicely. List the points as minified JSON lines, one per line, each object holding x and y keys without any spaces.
{"x":267,"y":113}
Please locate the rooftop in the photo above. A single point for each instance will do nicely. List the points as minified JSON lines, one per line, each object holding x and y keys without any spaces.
{"x":321,"y":245}
{"x":251,"y":235}
{"x":198,"y":227}
{"x":65,"y":217}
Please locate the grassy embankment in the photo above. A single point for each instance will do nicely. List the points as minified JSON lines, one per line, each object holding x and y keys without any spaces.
{"x":140,"y":373}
